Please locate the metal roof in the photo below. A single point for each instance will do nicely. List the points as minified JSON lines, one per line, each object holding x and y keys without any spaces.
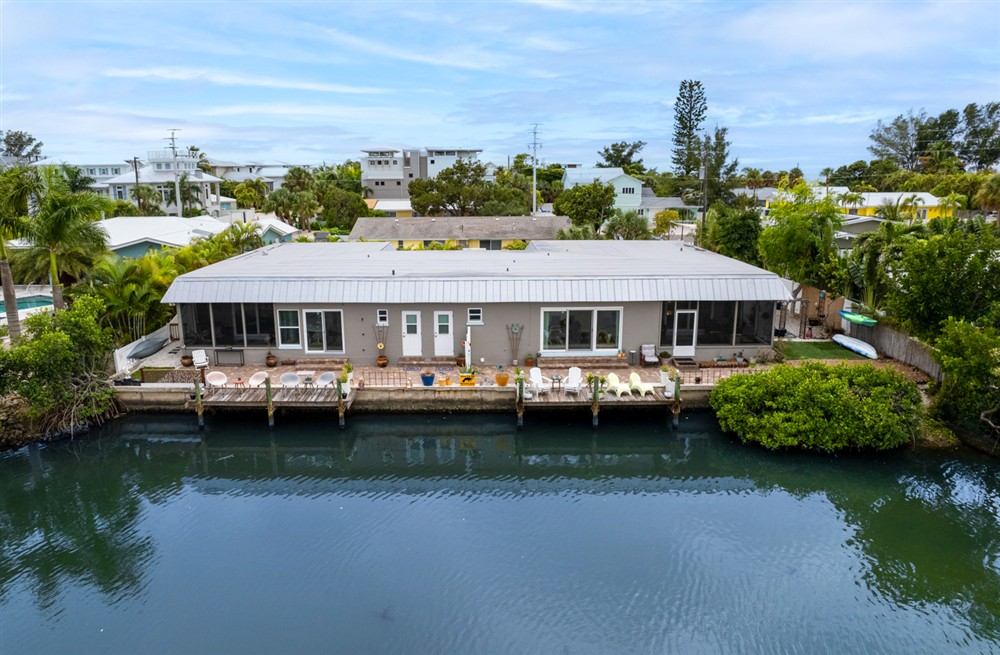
{"x":460,"y":227}
{"x":547,"y":272}
{"x":575,"y":176}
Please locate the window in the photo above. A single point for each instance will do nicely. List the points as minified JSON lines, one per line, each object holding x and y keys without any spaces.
{"x":394,"y":161}
{"x":116,"y":171}
{"x":583,"y":329}
{"x":288,"y":327}
{"x":259,"y":318}
{"x":104,"y":171}
{"x":196,"y":320}
{"x":119,"y":192}
{"x":382,"y":317}
{"x":432,"y":161}
{"x":398,"y":183}
{"x":475,"y":316}
{"x":371,"y":162}
{"x":159,"y":166}
{"x":324,"y":331}
{"x":628,"y":189}
{"x":227,"y":324}
{"x":166,"y":167}
{"x":715,"y":323}
{"x":411,"y":174}
{"x":667,"y":320}
{"x":91,"y":171}
{"x":754,"y":321}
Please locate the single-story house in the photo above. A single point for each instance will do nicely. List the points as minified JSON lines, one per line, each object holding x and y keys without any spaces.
{"x":486,"y":232}
{"x":852,"y":228}
{"x":134,"y":236}
{"x":557,"y":298}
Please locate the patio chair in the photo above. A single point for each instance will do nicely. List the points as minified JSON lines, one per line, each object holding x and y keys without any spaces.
{"x":648,"y":354}
{"x":289,"y":380}
{"x":216,"y":379}
{"x":616,"y":386}
{"x":538,"y":382}
{"x":574,"y":381}
{"x":200,"y":358}
{"x":635,"y":383}
{"x":325,"y":380}
{"x":257,"y":379}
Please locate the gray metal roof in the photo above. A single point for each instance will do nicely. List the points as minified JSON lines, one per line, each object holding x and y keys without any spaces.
{"x":547,"y":272}
{"x":460,"y":227}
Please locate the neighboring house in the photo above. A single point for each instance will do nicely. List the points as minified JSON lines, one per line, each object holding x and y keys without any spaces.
{"x":566,"y":299}
{"x":272,"y":228}
{"x":100,"y":173}
{"x":160,"y":173}
{"x":387,"y":172}
{"x":628,"y":190}
{"x":394,"y":208}
{"x":852,"y":228}
{"x":134,"y":236}
{"x":652,"y":204}
{"x":927,"y":205}
{"x":486,"y":232}
{"x":273,"y":175}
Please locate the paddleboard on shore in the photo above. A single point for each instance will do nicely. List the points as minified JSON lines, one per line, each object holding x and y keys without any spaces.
{"x":856,"y":345}
{"x":857,"y":318}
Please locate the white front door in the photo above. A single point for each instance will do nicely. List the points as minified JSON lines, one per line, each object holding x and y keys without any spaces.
{"x":685,"y":332}
{"x":444,"y":339}
{"x":411,"y":335}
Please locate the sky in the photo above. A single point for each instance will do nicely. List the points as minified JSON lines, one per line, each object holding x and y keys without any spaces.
{"x":796,"y":83}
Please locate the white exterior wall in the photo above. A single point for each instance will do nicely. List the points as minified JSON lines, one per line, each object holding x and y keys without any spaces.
{"x":628,"y":193}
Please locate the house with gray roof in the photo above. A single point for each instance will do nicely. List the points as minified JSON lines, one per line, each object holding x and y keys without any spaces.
{"x":557,"y":298}
{"x":486,"y":232}
{"x":628,"y":190}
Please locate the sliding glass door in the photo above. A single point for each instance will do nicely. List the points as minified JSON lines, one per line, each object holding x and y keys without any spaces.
{"x":324,"y":331}
{"x":581,"y":330}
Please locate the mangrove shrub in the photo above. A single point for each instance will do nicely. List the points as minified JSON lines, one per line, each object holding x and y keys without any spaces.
{"x":820,"y":407}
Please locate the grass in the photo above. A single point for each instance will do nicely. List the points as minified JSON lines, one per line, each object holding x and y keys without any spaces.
{"x":817,"y":350}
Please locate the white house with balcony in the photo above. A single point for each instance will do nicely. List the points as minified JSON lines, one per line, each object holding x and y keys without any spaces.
{"x":387,"y":172}
{"x":161,"y":171}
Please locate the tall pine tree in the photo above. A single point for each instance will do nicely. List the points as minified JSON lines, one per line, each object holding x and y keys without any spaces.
{"x":689,"y":114}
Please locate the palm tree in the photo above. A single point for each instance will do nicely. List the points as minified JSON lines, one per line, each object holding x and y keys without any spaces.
{"x":851,"y":199}
{"x":63,"y":224}
{"x":872,"y":259}
{"x":18,"y":186}
{"x":148,"y":199}
{"x":190,"y":194}
{"x":909,"y":206}
{"x":76,"y":180}
{"x":826,"y":173}
{"x":243,"y":237}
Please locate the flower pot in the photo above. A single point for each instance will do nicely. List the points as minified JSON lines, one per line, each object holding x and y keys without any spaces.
{"x":502,"y":379}
{"x":467,"y":379}
{"x":666,"y":381}
{"x":381,"y":361}
{"x":460,"y":361}
{"x":271,"y":361}
{"x":428,"y":379}
{"x":187,"y":360}
{"x":529,"y":361}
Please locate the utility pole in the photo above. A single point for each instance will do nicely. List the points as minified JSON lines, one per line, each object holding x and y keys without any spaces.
{"x":135,"y":165}
{"x":534,"y":168}
{"x":703,"y":174}
{"x":177,"y":179}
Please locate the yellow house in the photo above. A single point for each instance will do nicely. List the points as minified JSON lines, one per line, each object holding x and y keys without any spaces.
{"x":486,"y":232}
{"x":392,"y":207}
{"x":924,"y":206}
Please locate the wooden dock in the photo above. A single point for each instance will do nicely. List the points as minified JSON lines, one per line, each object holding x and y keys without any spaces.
{"x":281,"y":397}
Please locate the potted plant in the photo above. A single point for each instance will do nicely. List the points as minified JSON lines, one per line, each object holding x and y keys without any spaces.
{"x":529,"y":359}
{"x":467,"y":376}
{"x":427,"y":377}
{"x":187,"y":360}
{"x":502,"y":376}
{"x":270,"y":359}
{"x":347,"y":373}
{"x":667,"y":375}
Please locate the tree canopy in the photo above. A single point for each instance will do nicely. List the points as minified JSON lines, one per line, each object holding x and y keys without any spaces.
{"x":689,"y":114}
{"x":587,"y":205}
{"x":623,"y":155}
{"x":20,"y":145}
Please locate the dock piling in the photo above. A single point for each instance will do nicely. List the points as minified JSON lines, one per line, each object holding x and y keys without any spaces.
{"x":270,"y":402}
{"x":340,"y":405}
{"x":595,"y":393}
{"x":199,"y":408}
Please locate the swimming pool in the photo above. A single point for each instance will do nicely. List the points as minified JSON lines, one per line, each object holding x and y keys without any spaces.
{"x":27,"y":302}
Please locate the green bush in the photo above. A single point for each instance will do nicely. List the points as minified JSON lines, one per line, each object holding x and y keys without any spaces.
{"x":820,"y":407}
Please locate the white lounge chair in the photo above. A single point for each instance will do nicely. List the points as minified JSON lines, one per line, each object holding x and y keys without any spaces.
{"x":538,"y":382}
{"x":200,"y":358}
{"x":325,"y":380}
{"x":216,"y":379}
{"x":257,"y":379}
{"x":635,"y":383}
{"x":289,"y":380}
{"x":616,"y":386}
{"x":648,"y":353}
{"x":574,"y":381}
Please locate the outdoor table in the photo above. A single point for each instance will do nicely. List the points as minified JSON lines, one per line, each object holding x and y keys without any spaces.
{"x":557,"y":383}
{"x":306,"y":377}
{"x":240,"y":383}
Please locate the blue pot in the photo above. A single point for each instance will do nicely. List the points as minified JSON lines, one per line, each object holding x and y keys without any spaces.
{"x":428,"y":380}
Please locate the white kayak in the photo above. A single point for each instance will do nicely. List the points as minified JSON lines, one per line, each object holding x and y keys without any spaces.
{"x":857,"y":345}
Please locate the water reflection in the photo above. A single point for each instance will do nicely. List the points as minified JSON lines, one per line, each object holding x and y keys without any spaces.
{"x":926,"y":527}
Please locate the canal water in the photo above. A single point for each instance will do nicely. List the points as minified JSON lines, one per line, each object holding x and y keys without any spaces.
{"x":433,"y":534}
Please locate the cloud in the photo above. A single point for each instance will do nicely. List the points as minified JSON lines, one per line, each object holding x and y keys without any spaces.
{"x":462,"y":57}
{"x":231,"y":79}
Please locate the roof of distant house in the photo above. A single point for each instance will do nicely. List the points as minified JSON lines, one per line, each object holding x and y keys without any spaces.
{"x":164,"y":230}
{"x":147,"y":175}
{"x":575,"y":176}
{"x":459,"y":228}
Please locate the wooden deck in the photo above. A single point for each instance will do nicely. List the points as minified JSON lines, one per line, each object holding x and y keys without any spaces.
{"x":583,"y":399}
{"x":297,"y":397}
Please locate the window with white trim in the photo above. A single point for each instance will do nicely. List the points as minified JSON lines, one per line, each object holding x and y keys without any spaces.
{"x":582,"y":329}
{"x":324,"y":330}
{"x":475,"y":316}
{"x":382,"y":317}
{"x":289,"y":331}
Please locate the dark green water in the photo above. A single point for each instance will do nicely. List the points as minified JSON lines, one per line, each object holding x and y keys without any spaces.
{"x":460,"y":535}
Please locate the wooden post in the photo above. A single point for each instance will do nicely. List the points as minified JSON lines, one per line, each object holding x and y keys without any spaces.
{"x":595,"y":400}
{"x":270,"y":402}
{"x":676,"y":406}
{"x":519,"y":403}
{"x":340,"y":405}
{"x":198,"y":407}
